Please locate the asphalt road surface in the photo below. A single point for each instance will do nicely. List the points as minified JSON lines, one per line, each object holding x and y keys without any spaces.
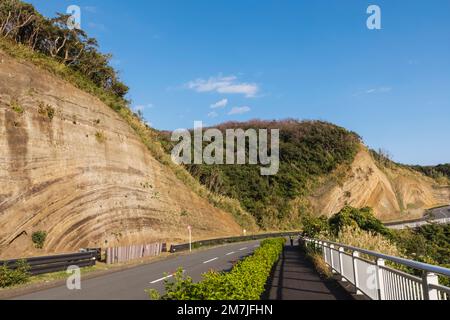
{"x":440,"y":213}
{"x":131,"y":284}
{"x":436,"y":215}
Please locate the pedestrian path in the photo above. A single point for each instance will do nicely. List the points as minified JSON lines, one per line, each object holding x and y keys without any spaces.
{"x":295,"y":278}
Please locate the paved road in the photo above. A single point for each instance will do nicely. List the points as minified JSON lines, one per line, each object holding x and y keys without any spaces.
{"x":295,"y":278}
{"x":440,"y":213}
{"x":130,"y":284}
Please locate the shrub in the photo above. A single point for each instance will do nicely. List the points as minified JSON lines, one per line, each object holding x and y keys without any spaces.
{"x":14,"y":276}
{"x":38,"y":238}
{"x":46,"y":111}
{"x":100,"y":136}
{"x":363,"y":218}
{"x":16,"y":107}
{"x":246,"y":281}
{"x":184,"y":213}
{"x":315,"y":227}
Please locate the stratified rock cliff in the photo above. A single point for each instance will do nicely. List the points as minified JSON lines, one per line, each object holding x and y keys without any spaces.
{"x":70,"y":166}
{"x":395,"y":193}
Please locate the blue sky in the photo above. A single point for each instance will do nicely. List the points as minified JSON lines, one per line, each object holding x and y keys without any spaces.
{"x":221,"y":60}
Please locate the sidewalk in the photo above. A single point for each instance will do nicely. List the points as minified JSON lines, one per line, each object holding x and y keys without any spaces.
{"x":295,"y":278}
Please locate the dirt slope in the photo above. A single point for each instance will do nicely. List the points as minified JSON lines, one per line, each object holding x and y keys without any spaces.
{"x":394,"y":193}
{"x":82,"y":175}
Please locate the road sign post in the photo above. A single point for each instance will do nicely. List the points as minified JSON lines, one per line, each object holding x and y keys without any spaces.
{"x":190,"y":238}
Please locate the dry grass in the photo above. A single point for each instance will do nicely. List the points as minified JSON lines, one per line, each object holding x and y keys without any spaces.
{"x":354,"y":236}
{"x":320,"y":265}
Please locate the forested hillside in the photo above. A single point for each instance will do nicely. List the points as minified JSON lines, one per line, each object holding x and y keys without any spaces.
{"x":308,"y":150}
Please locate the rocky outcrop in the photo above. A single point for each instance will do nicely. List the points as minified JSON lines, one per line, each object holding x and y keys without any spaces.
{"x":70,"y":166}
{"x":395,"y":193}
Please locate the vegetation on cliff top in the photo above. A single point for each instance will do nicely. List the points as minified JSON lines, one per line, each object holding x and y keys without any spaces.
{"x":438,"y":172}
{"x":21,"y":23}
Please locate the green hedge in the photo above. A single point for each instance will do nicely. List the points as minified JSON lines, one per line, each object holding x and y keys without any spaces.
{"x":246,"y":281}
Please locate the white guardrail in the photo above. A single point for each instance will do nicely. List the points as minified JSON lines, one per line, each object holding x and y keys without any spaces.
{"x":367,"y":271}
{"x":416,"y":224}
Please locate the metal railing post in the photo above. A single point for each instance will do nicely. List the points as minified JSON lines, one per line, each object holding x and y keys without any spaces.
{"x":355,"y":255}
{"x":380,"y":279}
{"x":427,"y":280}
{"x":341,"y":263}
{"x":333,"y":268}
{"x":321,"y":248}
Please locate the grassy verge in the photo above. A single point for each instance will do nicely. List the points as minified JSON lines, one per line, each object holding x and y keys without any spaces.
{"x":246,"y":281}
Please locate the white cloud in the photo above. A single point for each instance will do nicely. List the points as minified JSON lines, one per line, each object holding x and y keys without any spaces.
{"x":220,"y":104}
{"x":379,"y":90}
{"x":239,"y":110}
{"x":213,"y":114}
{"x":221,"y":84}
{"x":373,"y":91}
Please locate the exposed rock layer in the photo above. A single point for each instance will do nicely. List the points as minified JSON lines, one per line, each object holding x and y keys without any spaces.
{"x":83,"y":175}
{"x":395,"y":193}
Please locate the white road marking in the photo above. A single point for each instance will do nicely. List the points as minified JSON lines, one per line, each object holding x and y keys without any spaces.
{"x":243,"y":249}
{"x":162,"y":279}
{"x":210,"y":260}
{"x":229,"y":254}
{"x":257,"y":246}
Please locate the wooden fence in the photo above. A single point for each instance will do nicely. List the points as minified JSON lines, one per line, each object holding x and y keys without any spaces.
{"x":129,"y":253}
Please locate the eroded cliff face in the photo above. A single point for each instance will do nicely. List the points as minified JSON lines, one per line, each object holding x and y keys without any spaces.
{"x":70,"y":166}
{"x":394,"y":193}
